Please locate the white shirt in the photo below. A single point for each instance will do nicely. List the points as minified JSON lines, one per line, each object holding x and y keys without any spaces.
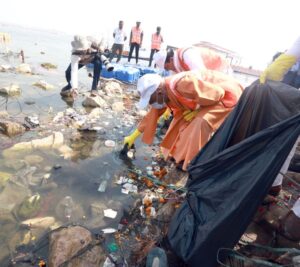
{"x":119,"y":36}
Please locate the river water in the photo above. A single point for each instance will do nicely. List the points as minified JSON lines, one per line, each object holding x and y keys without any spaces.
{"x":78,"y":177}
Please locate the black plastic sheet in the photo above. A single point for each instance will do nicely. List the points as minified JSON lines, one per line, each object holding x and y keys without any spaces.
{"x":232,"y":174}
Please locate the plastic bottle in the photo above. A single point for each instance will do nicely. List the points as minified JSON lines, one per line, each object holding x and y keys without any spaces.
{"x":69,"y":206}
{"x":102,"y":186}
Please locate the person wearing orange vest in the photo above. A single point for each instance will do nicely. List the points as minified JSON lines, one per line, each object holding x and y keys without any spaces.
{"x":190,"y":58}
{"x":200,"y":101}
{"x":136,"y":40}
{"x":156,"y":41}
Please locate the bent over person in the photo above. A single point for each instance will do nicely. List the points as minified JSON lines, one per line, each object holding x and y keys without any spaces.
{"x":84,"y":51}
{"x":200,"y":101}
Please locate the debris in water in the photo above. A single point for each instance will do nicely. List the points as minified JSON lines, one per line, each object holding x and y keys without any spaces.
{"x":110,"y":213}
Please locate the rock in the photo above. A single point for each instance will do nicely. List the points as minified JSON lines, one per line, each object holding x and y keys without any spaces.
{"x":44,"y":85}
{"x":4,"y":67}
{"x":23,"y":68}
{"x":41,"y":222}
{"x":13,"y":193}
{"x":4,"y":114}
{"x":12,"y":128}
{"x":95,"y":113}
{"x":118,"y":106}
{"x":112,"y":88}
{"x":6,"y":215}
{"x":97,"y":209}
{"x":33,"y":159}
{"x":10,"y":90}
{"x":4,"y":177}
{"x":67,"y":242}
{"x":29,"y":207}
{"x":15,"y":164}
{"x":48,"y":66}
{"x":96,"y":101}
{"x":53,"y":141}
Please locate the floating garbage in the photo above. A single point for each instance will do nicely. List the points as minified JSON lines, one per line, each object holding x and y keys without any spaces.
{"x":110,"y":213}
{"x":110,"y":143}
{"x":102,"y":186}
{"x":32,"y":121}
{"x":69,"y":205}
{"x":109,"y":230}
{"x":129,"y":188}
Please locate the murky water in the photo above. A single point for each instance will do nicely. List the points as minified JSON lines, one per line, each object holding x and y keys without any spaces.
{"x":78,"y":177}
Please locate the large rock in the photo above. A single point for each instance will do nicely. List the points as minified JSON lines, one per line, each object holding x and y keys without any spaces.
{"x":54,"y":141}
{"x":41,"y":222}
{"x":95,"y":101}
{"x":43,"y":85}
{"x":11,"y":128}
{"x":67,"y":242}
{"x":23,"y":68}
{"x":10,"y":90}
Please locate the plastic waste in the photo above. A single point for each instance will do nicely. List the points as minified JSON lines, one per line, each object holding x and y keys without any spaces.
{"x":110,"y":143}
{"x":110,"y":213}
{"x":69,"y":206}
{"x":102,"y":187}
{"x":157,"y":257}
{"x":112,"y":247}
{"x":32,"y":121}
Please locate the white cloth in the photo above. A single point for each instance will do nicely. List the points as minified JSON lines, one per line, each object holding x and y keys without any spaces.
{"x":191,"y":58}
{"x":296,"y":208}
{"x":285,"y":166}
{"x":146,"y":86}
{"x":119,"y":36}
{"x":294,"y":50}
{"x":160,"y":59}
{"x":74,"y":71}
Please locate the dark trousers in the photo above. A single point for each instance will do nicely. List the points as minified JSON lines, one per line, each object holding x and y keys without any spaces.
{"x":97,"y":70}
{"x":114,"y":49}
{"x":137,"y":48}
{"x":151,"y":55}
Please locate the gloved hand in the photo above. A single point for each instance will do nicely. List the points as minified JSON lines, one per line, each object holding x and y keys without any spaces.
{"x":129,"y":140}
{"x":165,"y":116}
{"x":278,"y":68}
{"x":188,"y":115}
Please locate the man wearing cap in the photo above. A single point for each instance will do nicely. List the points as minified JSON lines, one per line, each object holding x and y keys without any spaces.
{"x":136,"y":40}
{"x":190,"y":58}
{"x":200,"y":101}
{"x":84,"y":51}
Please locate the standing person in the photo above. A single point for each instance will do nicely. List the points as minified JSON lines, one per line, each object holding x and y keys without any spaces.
{"x":200,"y":101}
{"x":136,"y":40}
{"x":156,"y":41}
{"x":190,"y":58}
{"x":120,"y":37}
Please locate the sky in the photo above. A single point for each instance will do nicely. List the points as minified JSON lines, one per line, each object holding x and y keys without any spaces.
{"x":255,"y":29}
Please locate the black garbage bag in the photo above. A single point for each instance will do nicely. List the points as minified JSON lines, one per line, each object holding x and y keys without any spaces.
{"x":232,"y":174}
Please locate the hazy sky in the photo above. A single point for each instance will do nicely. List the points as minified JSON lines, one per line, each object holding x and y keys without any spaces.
{"x":255,"y":29}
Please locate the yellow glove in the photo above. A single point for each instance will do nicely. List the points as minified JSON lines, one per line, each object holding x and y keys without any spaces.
{"x":188,"y":115}
{"x":129,"y":140}
{"x":278,"y":68}
{"x":165,"y":116}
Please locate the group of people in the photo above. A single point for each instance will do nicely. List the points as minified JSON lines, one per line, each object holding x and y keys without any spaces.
{"x":135,"y":42}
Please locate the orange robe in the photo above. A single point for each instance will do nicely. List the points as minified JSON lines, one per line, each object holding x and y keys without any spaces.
{"x":212,"y":93}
